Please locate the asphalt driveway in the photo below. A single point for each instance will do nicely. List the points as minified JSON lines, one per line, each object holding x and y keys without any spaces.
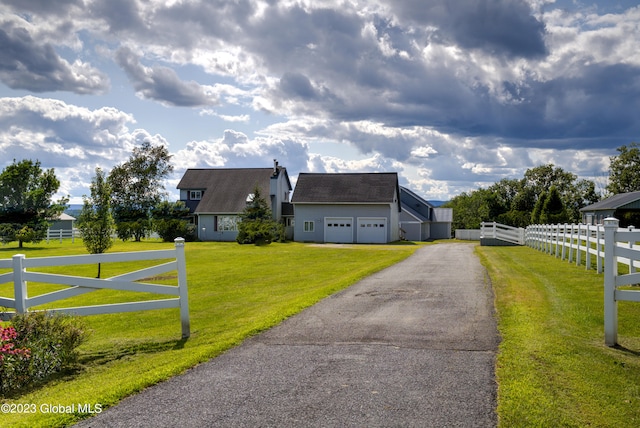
{"x":411,"y":346}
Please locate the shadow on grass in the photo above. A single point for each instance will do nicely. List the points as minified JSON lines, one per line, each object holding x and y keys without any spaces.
{"x":626,"y":350}
{"x":117,"y":352}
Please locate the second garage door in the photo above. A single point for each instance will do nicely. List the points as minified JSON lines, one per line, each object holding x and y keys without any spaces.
{"x":372,"y":230}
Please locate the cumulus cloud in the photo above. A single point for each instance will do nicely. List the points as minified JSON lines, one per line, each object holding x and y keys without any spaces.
{"x":449,"y":92}
{"x":163,"y":84}
{"x":26,"y":63}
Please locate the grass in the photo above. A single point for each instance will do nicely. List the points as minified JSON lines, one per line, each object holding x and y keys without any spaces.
{"x":234,"y":292}
{"x":553,"y":369}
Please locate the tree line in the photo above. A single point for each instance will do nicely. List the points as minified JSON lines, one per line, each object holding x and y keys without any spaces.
{"x":546,"y":194}
{"x":131,"y":200}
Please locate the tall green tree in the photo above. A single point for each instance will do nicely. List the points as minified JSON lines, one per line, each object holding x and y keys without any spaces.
{"x":137,"y":186}
{"x":95,"y":220}
{"x":553,"y":209}
{"x":517,"y":202}
{"x":26,"y":206}
{"x":624,"y":170}
{"x":537,"y":208}
{"x":470,"y":209}
{"x":257,"y":225}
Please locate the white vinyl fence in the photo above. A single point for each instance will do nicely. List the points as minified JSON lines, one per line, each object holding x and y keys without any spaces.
{"x":19,"y":275}
{"x":60,"y":234}
{"x":493,"y":230}
{"x":609,"y":245}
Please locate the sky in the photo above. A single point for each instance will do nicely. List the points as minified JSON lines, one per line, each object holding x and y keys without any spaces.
{"x":451,"y":95}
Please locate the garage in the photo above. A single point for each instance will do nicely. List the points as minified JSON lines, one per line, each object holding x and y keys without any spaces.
{"x":372,"y":230}
{"x":338,"y":230}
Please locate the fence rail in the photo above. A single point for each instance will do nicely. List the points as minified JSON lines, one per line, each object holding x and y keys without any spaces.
{"x":61,"y":234}
{"x":81,"y":285}
{"x":610,"y":245}
{"x":493,"y":230}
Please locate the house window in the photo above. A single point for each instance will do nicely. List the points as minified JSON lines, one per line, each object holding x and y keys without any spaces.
{"x":308,"y":226}
{"x":195,"y":195}
{"x":228,"y":223}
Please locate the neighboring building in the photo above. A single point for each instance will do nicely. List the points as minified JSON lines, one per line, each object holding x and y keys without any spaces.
{"x":63,"y":222}
{"x":347,"y":208}
{"x":421,"y":221}
{"x":217,"y":197}
{"x":623,"y":206}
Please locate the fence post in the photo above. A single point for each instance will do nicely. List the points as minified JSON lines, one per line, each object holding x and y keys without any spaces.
{"x":182,"y":285}
{"x":19,"y":284}
{"x":599,"y":246}
{"x":632,"y":267}
{"x":610,"y":273}
{"x":578,"y":246}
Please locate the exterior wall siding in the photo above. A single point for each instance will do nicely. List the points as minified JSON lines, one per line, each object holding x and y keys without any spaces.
{"x":318,"y":213}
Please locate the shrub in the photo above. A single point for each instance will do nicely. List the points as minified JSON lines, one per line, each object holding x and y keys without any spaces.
{"x":170,"y":229}
{"x":13,"y":361}
{"x":43,"y":343}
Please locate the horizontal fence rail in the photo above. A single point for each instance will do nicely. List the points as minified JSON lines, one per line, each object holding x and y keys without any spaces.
{"x":19,"y":275}
{"x":60,"y":234}
{"x":493,"y":230}
{"x":609,"y":245}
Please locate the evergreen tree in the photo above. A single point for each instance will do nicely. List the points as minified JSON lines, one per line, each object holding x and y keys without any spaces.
{"x":537,"y":209}
{"x":257,"y":225}
{"x":553,"y":209}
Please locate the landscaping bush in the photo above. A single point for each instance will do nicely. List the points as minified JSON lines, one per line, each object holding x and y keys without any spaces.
{"x":37,"y":345}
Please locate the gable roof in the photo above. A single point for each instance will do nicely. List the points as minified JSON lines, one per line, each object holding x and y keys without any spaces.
{"x":226,"y":189}
{"x":358,"y":188}
{"x":615,"y":202}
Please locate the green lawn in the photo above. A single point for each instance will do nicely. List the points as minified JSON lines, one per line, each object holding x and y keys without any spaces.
{"x":553,"y":368}
{"x":234,"y":292}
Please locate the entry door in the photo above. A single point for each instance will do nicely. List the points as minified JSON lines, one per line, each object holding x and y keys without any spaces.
{"x":338,"y":230}
{"x":372,"y":230}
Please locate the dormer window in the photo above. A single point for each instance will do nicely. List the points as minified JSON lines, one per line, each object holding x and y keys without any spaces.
{"x":195,"y":195}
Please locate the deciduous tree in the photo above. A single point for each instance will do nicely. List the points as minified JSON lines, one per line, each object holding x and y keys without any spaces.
{"x":95,"y":220}
{"x":137,"y":187}
{"x":26,"y":206}
{"x":624,"y":170}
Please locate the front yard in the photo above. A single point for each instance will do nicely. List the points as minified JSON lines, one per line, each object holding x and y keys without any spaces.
{"x":234,"y":291}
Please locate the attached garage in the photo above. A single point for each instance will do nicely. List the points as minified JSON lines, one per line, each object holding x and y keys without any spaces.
{"x":338,"y":230}
{"x":372,"y":230}
{"x":347,"y":208}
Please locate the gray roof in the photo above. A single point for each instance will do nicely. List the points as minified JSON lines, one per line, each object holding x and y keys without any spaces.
{"x":226,"y":189}
{"x":356,"y":188}
{"x":614,"y":202}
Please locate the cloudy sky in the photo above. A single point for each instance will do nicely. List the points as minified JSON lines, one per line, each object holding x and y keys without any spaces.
{"x":452,"y":95}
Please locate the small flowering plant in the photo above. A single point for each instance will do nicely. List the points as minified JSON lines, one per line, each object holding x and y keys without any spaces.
{"x":36,"y":345}
{"x":14,"y":361}
{"x":7,"y":347}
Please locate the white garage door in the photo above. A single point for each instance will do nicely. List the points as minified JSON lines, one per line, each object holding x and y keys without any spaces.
{"x":372,"y":230}
{"x":338,"y":230}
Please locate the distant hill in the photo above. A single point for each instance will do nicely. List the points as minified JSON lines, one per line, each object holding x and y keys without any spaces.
{"x":437,"y":203}
{"x":74,"y":210}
